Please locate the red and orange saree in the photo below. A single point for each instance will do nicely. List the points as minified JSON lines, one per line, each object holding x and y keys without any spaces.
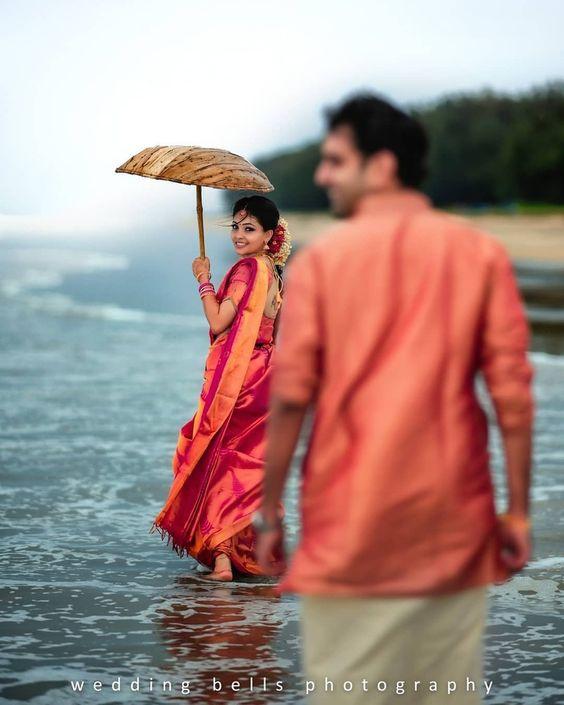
{"x":219,"y":459}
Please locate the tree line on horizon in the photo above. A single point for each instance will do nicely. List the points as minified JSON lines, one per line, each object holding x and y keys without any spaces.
{"x":486,"y":149}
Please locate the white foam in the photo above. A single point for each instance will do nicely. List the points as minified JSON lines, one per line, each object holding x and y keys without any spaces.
{"x":547,"y":359}
{"x":43,"y":268}
{"x":30,"y":279}
{"x":549,"y":562}
{"x":60,"y":305}
{"x":35,"y":270}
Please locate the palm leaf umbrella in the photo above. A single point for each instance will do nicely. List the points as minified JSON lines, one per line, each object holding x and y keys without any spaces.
{"x":199,"y":166}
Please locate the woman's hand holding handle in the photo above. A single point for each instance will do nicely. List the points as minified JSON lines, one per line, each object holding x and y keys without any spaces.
{"x":201,"y":269}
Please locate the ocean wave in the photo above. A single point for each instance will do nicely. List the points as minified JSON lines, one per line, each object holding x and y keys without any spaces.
{"x":548,"y":562}
{"x":61,"y":305}
{"x":43,"y":268}
{"x":547,"y":359}
{"x":33,"y":273}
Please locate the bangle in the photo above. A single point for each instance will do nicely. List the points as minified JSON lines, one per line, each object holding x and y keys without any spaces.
{"x":515,"y":519}
{"x":207,"y":274}
{"x":206,"y":289}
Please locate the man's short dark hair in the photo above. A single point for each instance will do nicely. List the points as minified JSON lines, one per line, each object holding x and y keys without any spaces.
{"x":377,"y":125}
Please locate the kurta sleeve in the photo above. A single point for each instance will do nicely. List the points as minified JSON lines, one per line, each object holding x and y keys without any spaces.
{"x":504,"y":363}
{"x":296,"y":369}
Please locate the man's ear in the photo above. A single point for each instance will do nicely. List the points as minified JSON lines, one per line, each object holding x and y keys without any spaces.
{"x":382,"y":168}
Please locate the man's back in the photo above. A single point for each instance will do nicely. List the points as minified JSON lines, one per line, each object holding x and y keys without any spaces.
{"x":386,"y":322}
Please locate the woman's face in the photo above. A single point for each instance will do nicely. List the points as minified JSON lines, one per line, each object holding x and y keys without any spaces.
{"x":248,"y":235}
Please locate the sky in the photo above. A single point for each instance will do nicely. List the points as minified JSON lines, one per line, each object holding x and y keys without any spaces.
{"x":84,"y":85}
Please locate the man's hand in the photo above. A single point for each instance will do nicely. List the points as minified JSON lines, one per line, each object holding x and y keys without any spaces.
{"x":515,"y":536}
{"x":266,"y":544}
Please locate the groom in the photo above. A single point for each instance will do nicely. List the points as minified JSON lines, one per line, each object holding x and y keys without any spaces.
{"x":388,"y":318}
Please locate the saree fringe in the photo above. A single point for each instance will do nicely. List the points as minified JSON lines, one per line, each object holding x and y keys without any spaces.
{"x":176,"y":547}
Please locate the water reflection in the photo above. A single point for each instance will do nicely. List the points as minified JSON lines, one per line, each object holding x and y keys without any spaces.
{"x":231,"y":639}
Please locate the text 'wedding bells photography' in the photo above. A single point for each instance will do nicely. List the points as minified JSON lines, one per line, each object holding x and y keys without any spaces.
{"x":262,"y":684}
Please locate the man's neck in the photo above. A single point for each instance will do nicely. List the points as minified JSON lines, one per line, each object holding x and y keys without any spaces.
{"x":393,"y":199}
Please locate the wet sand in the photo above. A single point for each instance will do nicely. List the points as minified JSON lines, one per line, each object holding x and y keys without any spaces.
{"x":527,"y":237}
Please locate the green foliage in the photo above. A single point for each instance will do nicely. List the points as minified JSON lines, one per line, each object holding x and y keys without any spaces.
{"x":291,"y":174}
{"x":486,"y":149}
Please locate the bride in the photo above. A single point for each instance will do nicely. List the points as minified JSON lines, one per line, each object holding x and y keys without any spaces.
{"x":219,"y":459}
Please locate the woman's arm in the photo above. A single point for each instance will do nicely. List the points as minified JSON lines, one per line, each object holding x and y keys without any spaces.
{"x":219,"y":316}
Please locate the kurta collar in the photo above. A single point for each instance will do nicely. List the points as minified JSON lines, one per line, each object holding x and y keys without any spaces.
{"x":401,"y":200}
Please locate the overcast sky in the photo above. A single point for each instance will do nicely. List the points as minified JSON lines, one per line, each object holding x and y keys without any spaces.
{"x":85,"y":84}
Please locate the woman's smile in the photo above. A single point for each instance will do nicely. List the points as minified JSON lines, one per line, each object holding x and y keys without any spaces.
{"x":247,"y":234}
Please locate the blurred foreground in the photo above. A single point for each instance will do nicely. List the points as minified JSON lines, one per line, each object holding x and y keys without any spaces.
{"x":101,"y":357}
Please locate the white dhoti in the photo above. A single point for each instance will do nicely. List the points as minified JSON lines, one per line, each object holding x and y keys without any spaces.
{"x":365,"y":650}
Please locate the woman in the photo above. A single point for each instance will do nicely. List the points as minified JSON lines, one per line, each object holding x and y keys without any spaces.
{"x":219,"y":460}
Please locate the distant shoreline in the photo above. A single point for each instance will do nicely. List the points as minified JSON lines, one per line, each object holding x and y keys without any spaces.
{"x":529,"y":237}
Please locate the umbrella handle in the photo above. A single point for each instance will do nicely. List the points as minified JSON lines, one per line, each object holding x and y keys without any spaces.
{"x":200,"y":212}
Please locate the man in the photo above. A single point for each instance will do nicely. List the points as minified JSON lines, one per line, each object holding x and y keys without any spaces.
{"x":387,"y":320}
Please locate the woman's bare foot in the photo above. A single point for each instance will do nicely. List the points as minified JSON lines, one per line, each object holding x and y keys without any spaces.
{"x":222,"y":569}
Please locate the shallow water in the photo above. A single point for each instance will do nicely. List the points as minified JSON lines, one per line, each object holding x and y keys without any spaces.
{"x":101,"y":362}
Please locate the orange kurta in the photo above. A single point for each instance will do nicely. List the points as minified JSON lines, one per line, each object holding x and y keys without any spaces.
{"x":387,"y":320}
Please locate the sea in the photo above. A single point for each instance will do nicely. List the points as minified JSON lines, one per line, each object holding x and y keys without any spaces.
{"x":102,"y":347}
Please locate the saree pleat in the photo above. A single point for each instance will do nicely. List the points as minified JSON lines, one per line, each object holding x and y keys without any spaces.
{"x":218,"y":462}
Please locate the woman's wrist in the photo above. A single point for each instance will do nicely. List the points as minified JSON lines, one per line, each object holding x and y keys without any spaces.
{"x":206,"y":288}
{"x":203,"y":277}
